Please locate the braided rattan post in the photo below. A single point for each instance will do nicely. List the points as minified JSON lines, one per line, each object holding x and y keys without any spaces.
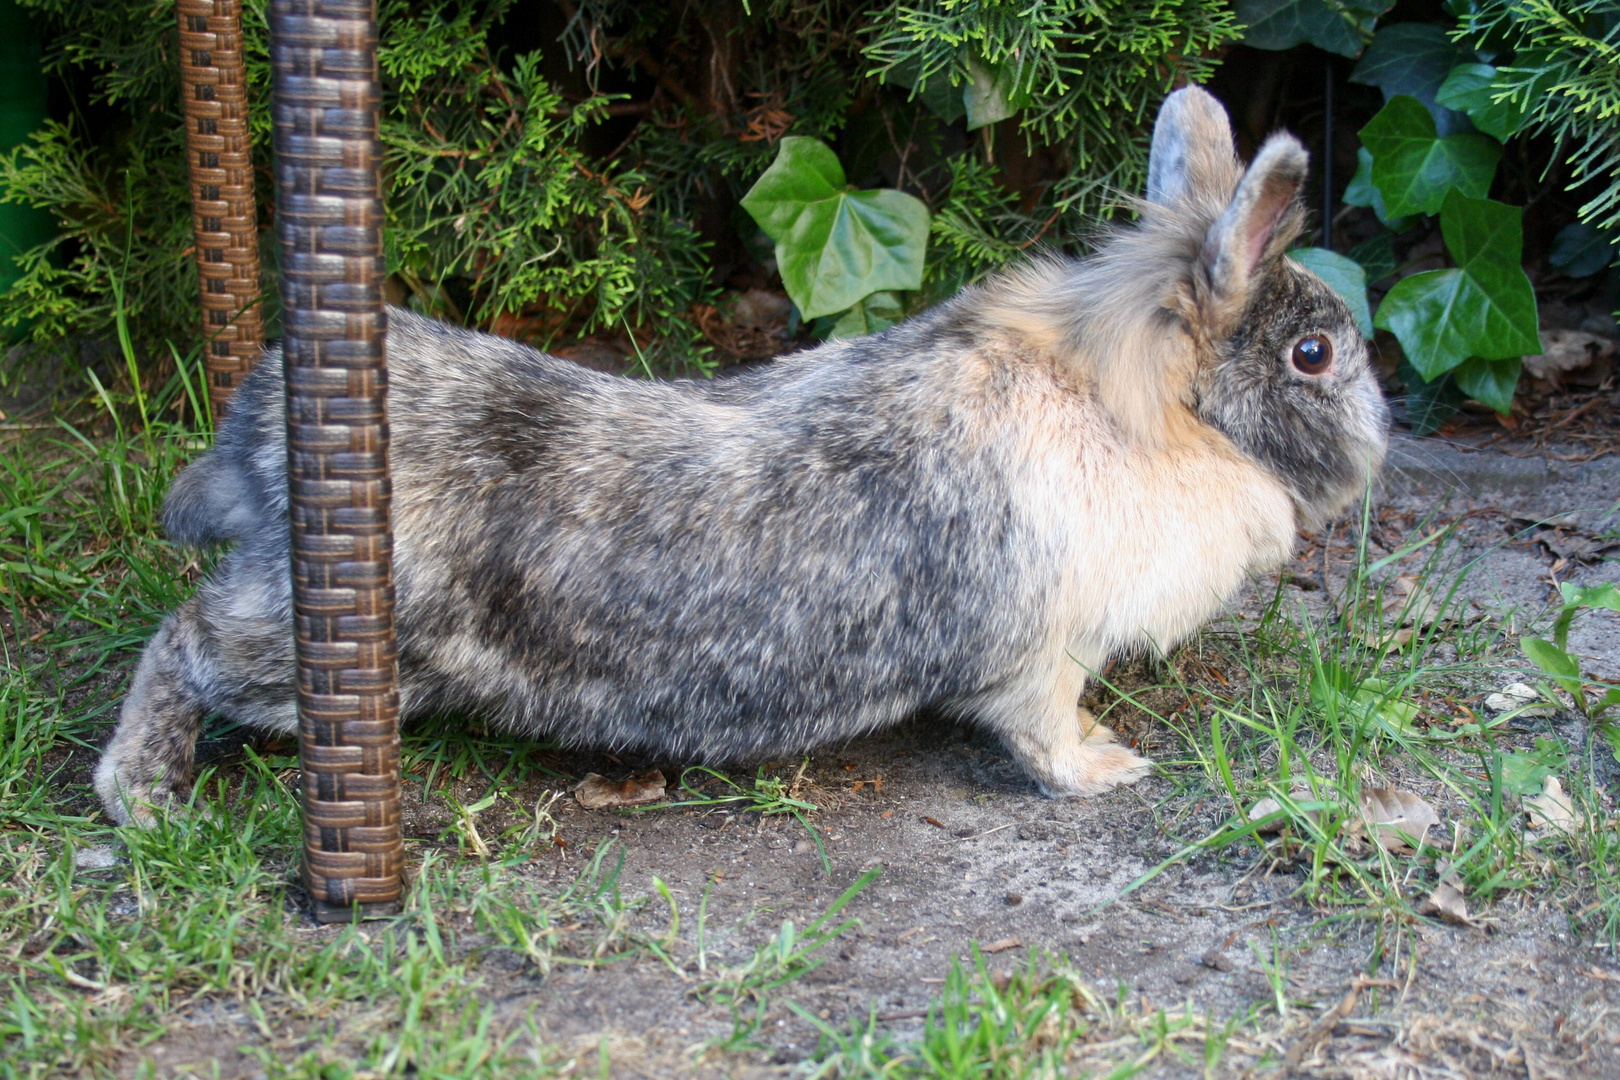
{"x":329,"y":222}
{"x":214,"y":81}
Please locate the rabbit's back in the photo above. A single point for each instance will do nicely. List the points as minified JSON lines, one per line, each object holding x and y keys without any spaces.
{"x":800,"y":552}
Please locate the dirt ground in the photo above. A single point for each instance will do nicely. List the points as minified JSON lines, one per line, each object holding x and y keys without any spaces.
{"x":971,"y":853}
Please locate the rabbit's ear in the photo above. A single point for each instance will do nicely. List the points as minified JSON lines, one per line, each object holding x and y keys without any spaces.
{"x":1253,"y":224}
{"x":1193,"y":154}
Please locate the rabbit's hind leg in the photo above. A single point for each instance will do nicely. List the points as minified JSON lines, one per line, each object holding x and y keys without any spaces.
{"x":212,"y":655}
{"x":1066,"y":750}
{"x":147,"y":763}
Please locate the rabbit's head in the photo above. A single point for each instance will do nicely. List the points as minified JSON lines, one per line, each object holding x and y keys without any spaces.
{"x":1280,"y":366}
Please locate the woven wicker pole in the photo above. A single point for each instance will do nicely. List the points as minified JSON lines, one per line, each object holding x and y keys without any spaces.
{"x":329,"y":223}
{"x":214,"y":81}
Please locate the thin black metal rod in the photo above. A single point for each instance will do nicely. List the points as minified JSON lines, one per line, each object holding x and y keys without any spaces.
{"x":1327,"y":152}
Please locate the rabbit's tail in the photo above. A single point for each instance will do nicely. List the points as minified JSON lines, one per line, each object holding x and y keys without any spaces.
{"x":210,"y":502}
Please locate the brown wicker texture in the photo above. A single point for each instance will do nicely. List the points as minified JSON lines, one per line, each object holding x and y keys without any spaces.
{"x":329,"y":222}
{"x":214,"y":81}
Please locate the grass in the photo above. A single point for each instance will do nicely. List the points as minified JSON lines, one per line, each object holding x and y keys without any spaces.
{"x":112,"y":940}
{"x":1045,"y":1019}
{"x":1309,"y":715}
{"x":768,"y":796}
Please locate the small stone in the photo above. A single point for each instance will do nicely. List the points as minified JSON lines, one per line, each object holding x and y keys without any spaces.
{"x":1014,"y":899}
{"x":101,"y":857}
{"x":1518,"y":696}
{"x":1216,"y":959}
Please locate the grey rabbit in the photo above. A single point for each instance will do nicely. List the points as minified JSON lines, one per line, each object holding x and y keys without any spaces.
{"x":968,"y":512}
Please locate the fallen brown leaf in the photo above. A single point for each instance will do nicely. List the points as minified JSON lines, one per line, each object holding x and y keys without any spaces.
{"x":1268,"y":806}
{"x":1447,"y":901}
{"x":1551,"y":811}
{"x":597,"y":792}
{"x":1400,"y":819}
{"x":1409,"y":607}
{"x":1002,"y":946}
{"x":1580,"y":546}
{"x":1567,"y":355}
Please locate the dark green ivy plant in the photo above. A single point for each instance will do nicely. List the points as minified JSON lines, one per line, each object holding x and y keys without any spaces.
{"x":1453,"y":97}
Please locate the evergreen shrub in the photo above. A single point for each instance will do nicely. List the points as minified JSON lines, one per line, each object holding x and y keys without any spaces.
{"x":568,"y":168}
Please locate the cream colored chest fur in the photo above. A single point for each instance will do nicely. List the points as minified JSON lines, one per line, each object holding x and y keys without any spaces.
{"x":1152,"y":543}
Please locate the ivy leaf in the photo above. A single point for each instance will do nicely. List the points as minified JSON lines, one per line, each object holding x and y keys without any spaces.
{"x":1344,"y":276}
{"x":1414,"y":168}
{"x":936,"y":91}
{"x":871,"y":315}
{"x":1429,"y":403}
{"x":1580,"y":250}
{"x":1482,"y":307}
{"x":1413,"y":59}
{"x":1376,"y":256}
{"x":835,"y":246}
{"x":1471,"y":88}
{"x":1331,"y":25}
{"x":1489,"y":381}
{"x":1361,"y":192}
{"x":991,"y":93}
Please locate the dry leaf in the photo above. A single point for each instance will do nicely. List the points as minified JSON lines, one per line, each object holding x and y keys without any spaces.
{"x":1268,"y":806}
{"x":598,"y":792}
{"x":1264,"y":808}
{"x":1570,"y":355}
{"x":1409,"y":607}
{"x":1002,"y":946}
{"x":1412,"y":602}
{"x":1400,"y":819}
{"x":1551,"y":810}
{"x":1447,"y":900}
{"x":1580,"y":546}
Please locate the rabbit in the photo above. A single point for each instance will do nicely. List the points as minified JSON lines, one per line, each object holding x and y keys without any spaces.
{"x":968,"y":512}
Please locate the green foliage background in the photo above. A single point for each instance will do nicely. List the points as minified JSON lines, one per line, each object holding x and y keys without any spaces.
{"x":573,"y":167}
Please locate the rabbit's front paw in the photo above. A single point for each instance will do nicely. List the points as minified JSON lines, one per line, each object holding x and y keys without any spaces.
{"x":1076,"y":765}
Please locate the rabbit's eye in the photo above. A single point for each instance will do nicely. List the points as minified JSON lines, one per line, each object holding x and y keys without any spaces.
{"x":1313,"y":355}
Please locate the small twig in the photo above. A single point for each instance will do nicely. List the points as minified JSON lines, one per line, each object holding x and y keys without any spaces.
{"x":1575,"y":413}
{"x":1329,"y":1020}
{"x":1037,"y":237}
{"x":976,"y":836}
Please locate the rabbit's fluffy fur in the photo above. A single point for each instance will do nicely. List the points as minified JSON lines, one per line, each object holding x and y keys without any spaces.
{"x":968,"y":512}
